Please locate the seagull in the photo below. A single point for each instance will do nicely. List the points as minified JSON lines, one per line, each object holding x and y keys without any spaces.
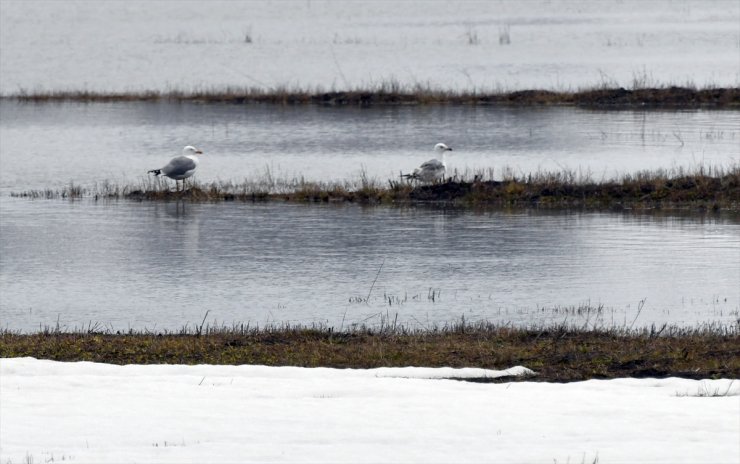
{"x":433,"y":169}
{"x":180,"y":167}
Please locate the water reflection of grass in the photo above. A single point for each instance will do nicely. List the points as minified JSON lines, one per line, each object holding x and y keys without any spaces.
{"x":556,"y":353}
{"x":704,"y":188}
{"x":392,"y":92}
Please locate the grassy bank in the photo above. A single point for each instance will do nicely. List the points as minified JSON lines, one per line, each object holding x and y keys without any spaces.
{"x":703,"y":189}
{"x":555,"y":353}
{"x":397,"y":94}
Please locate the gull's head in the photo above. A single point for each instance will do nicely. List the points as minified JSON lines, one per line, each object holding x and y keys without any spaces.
{"x":441,"y":148}
{"x":190,"y":150}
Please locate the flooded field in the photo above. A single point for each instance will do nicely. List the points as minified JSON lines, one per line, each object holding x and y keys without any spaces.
{"x":53,"y":145}
{"x":475,"y":45}
{"x":584,"y":228}
{"x":164,"y":265}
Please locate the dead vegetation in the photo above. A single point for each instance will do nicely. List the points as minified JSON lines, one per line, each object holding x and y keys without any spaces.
{"x":701,"y":189}
{"x":394,"y":93}
{"x":556,"y":353}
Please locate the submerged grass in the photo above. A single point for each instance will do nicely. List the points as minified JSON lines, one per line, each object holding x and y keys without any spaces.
{"x":704,"y":188}
{"x":395,"y":93}
{"x":556,"y":353}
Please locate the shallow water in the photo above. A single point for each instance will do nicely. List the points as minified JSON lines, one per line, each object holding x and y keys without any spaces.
{"x":186,"y":45}
{"x":164,"y":265}
{"x":50,"y":145}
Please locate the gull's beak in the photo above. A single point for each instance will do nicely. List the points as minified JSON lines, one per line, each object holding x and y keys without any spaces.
{"x":449,"y":149}
{"x":198,"y":152}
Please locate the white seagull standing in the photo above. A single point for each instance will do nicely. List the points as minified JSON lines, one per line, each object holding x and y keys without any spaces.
{"x":433,"y":169}
{"x":180,"y":167}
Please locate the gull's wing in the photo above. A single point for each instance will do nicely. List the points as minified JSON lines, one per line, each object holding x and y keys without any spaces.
{"x":432,"y":164}
{"x":178,"y":166}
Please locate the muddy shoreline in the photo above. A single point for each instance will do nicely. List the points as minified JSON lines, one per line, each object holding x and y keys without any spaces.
{"x":557,"y":354}
{"x":596,"y":98}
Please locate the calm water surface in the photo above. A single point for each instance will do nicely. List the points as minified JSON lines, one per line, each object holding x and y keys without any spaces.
{"x":51,"y":145}
{"x":163,"y":265}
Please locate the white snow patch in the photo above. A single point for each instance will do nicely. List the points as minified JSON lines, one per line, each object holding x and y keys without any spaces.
{"x":98,"y":413}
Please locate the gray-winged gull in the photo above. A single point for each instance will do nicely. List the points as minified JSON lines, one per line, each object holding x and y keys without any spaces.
{"x":433,"y":169}
{"x":180,"y":167}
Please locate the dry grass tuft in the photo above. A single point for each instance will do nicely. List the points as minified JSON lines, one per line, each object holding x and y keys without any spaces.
{"x":556,"y":353}
{"x":702,"y":189}
{"x":395,"y":93}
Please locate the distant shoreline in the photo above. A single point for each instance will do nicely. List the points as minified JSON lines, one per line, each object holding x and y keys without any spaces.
{"x":391,"y":94}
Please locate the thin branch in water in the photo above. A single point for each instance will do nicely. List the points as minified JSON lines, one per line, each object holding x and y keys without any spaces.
{"x":200,"y":329}
{"x":640,"y":305}
{"x":367,"y":299}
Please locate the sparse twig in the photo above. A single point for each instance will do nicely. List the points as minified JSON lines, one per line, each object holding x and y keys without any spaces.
{"x":640,"y":305}
{"x":200,"y":328}
{"x":367,"y":298}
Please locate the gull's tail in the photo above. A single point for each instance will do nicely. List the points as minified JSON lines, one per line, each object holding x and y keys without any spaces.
{"x":155,"y":171}
{"x":409,"y":176}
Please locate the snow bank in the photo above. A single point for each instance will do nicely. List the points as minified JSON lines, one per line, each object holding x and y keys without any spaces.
{"x":85,"y":412}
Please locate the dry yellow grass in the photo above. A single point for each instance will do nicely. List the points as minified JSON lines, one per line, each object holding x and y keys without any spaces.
{"x":556,"y":353}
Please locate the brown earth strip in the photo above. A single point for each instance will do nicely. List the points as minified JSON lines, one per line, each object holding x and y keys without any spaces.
{"x":557,"y":354}
{"x":597,"y":98}
{"x":643,"y":191}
